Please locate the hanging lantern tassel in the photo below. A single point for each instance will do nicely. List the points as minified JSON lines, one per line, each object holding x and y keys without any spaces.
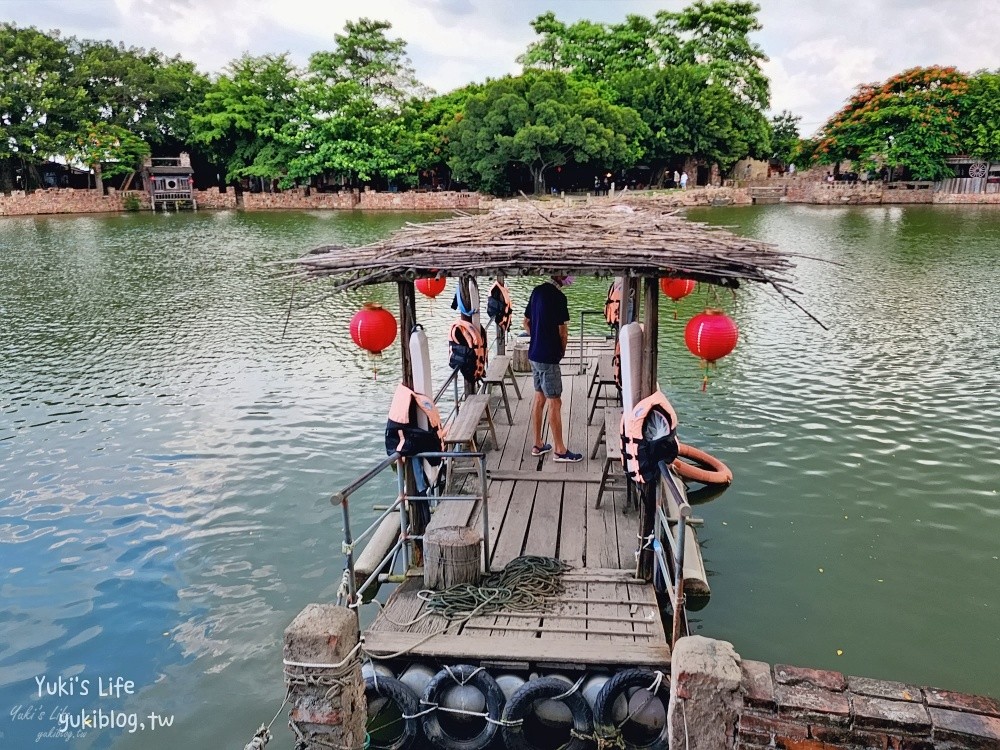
{"x":677,"y":289}
{"x":710,"y":336}
{"x":373,"y":328}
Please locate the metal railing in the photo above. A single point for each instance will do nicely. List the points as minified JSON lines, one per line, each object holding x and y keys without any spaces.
{"x":583,"y":361}
{"x":401,"y":505}
{"x":673,"y":583}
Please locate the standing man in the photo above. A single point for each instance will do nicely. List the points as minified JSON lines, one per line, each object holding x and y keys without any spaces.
{"x":546,"y":318}
{"x":684,"y":180}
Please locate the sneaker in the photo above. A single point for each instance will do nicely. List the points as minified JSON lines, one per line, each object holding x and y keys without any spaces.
{"x":540,"y":450}
{"x":569,"y":457}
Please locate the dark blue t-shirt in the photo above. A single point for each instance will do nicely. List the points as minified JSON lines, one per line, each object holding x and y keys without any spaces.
{"x":547,"y":310}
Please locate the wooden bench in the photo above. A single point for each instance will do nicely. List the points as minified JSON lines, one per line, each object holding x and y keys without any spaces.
{"x":462,"y":433}
{"x":612,"y":477}
{"x":604,"y":376}
{"x":497,"y":374}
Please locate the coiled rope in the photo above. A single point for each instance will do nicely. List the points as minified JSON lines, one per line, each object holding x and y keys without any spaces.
{"x":526,"y":583}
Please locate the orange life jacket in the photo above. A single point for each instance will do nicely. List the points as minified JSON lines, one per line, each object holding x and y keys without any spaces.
{"x":402,"y":432}
{"x":613,"y":303}
{"x":499,"y":306}
{"x":468,"y":349}
{"x":649,"y":435}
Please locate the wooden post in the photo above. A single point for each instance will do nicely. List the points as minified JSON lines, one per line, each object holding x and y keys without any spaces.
{"x":453,"y":555}
{"x":647,"y":510}
{"x":417,"y":518}
{"x":407,"y":319}
{"x":501,"y":337}
{"x":651,"y":322}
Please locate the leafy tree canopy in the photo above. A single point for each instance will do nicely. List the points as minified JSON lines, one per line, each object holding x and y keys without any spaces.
{"x":909,"y":121}
{"x":785,"y":136}
{"x":537,"y":121}
{"x":980,"y":108}
{"x":242,"y":112}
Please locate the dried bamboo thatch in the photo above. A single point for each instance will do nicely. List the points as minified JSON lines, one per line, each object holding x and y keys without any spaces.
{"x":523,"y":239}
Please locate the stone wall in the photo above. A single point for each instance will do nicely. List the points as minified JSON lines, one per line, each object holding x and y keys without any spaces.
{"x":69,"y":201}
{"x":703,"y":196}
{"x":874,"y":193}
{"x":809,"y":709}
{"x":213,"y":199}
{"x":368,"y":200}
{"x":64,"y":201}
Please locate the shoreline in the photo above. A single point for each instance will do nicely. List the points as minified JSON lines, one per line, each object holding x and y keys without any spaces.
{"x":70,"y":201}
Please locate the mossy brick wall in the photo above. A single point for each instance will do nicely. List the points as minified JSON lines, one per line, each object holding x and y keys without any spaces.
{"x":808,"y":709}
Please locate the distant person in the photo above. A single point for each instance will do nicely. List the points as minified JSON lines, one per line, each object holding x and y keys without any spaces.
{"x":684,"y":180}
{"x":791,"y":170}
{"x":829,"y":177}
{"x":597,"y":185}
{"x":746,"y":175}
{"x":677,"y":178}
{"x":546,"y":318}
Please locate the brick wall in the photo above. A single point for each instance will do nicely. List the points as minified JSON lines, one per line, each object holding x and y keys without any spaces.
{"x":808,"y":709}
{"x":213,"y":199}
{"x":64,"y":201}
{"x":368,"y":200}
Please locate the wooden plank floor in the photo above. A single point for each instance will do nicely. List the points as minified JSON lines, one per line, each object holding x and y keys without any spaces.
{"x":539,"y":507}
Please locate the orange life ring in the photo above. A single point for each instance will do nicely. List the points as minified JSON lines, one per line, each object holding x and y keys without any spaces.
{"x":715,"y":472}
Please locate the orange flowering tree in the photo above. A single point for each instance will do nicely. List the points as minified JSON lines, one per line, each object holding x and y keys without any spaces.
{"x":911,"y":121}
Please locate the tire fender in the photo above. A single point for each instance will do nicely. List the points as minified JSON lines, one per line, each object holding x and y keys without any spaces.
{"x":521,"y":703}
{"x":618,"y":686}
{"x":407,"y":702}
{"x":478,"y":678}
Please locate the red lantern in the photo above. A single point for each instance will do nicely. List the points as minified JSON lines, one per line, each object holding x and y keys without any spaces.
{"x":373,"y":328}
{"x":711,"y":335}
{"x":677,"y":289}
{"x":430,"y":287}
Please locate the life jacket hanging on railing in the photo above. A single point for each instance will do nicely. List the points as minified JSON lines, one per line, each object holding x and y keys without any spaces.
{"x":649,"y":435}
{"x":613,"y":303}
{"x":404,"y":435}
{"x":499,"y":307}
{"x":468,"y":349}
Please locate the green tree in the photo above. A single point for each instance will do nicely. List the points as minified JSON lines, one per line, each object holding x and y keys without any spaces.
{"x":910,"y":122}
{"x":688,"y":114}
{"x":538,"y":121}
{"x":427,"y":124}
{"x":592,"y":50}
{"x":349,"y":120}
{"x":716,"y":34}
{"x":109,"y":150}
{"x":980,"y":110}
{"x":40,"y":102}
{"x":366,"y":56}
{"x":785,"y":136}
{"x":143,"y":92}
{"x":238,"y":122}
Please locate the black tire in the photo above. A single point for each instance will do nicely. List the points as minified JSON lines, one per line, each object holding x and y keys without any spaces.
{"x":407,"y":702}
{"x":618,"y":686}
{"x":467,"y":675}
{"x":522,"y":702}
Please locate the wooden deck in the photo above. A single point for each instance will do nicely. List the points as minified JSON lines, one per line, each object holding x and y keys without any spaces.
{"x":538,"y":507}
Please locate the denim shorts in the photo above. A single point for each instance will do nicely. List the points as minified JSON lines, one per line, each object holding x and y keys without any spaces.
{"x":548,"y":378}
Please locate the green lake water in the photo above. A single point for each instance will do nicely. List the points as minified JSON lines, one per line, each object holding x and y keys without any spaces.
{"x":167,"y":450}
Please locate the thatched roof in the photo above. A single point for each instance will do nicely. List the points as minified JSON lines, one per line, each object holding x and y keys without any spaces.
{"x":528,"y":239}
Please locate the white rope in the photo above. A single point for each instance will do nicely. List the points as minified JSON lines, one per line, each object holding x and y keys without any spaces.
{"x":568,"y":693}
{"x":466,"y":680}
{"x":313,"y":665}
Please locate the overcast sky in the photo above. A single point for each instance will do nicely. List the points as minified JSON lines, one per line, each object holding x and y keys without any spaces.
{"x":819,"y":50}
